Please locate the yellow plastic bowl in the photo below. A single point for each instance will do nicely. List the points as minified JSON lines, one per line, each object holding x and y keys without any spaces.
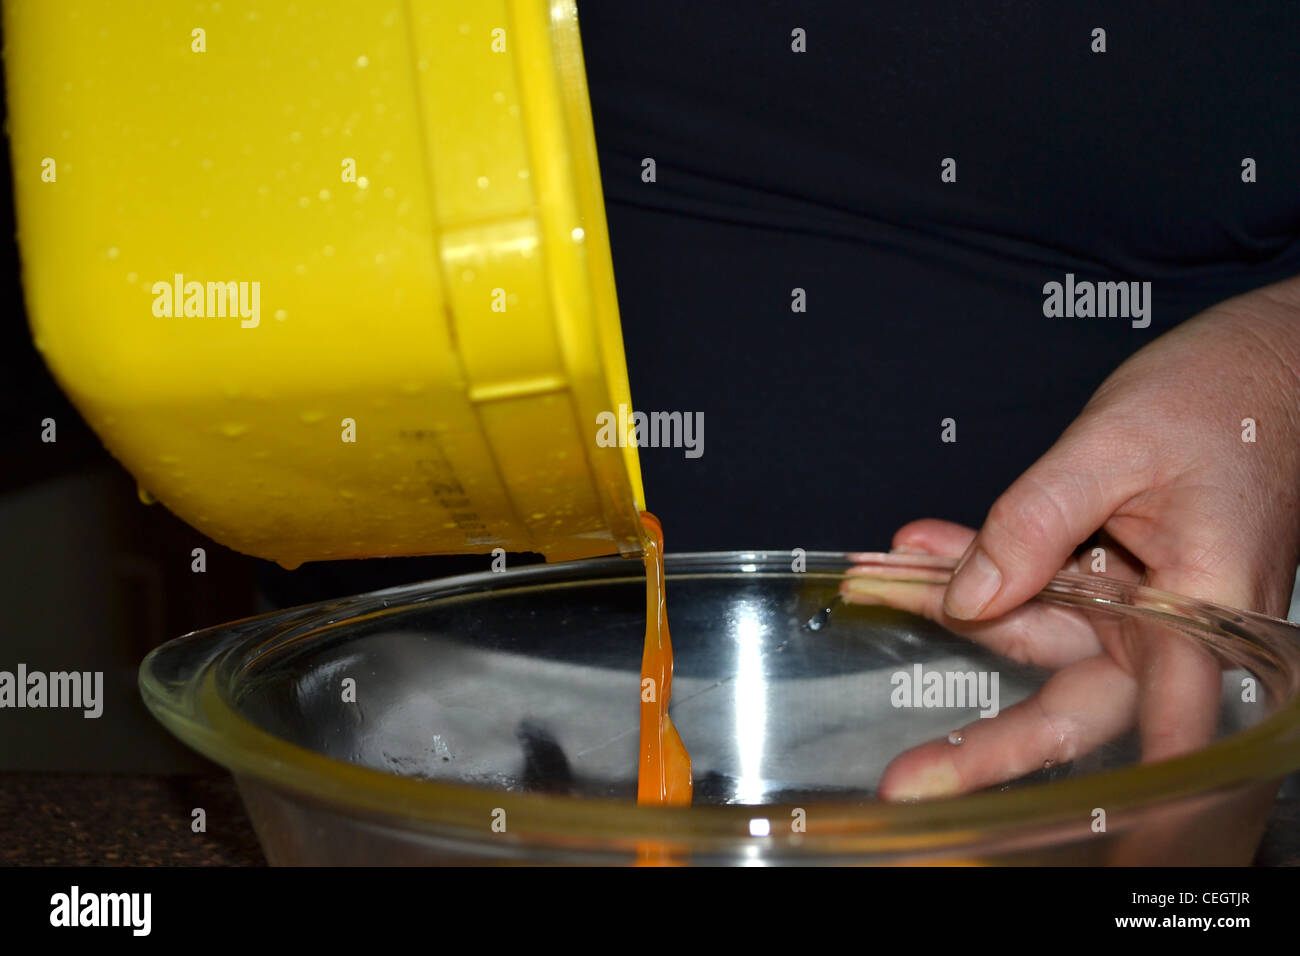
{"x":331,"y":280}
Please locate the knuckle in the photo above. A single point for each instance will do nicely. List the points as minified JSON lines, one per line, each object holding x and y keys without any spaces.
{"x":1061,"y":734}
{"x":1044,"y":512}
{"x":1019,"y":649}
{"x":1023,"y":521}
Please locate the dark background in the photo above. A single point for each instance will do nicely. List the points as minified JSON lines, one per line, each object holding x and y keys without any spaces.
{"x":775,"y":170}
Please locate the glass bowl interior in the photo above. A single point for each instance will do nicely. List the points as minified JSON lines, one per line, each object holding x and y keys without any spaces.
{"x":434,"y":706}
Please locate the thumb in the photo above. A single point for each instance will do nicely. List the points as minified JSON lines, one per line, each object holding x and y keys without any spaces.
{"x":1034,"y":527}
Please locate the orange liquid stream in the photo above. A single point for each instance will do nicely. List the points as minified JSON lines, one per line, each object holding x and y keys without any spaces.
{"x":664,"y":776}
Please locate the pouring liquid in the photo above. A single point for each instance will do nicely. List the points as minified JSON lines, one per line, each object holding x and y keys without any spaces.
{"x":664,"y":775}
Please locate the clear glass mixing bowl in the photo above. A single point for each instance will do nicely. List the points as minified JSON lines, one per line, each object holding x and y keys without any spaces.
{"x":493,"y":718}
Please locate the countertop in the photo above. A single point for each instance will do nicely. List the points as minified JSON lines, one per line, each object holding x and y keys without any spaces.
{"x":51,"y":819}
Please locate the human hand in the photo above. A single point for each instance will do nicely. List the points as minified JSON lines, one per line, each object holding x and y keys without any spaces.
{"x":1157,"y":463}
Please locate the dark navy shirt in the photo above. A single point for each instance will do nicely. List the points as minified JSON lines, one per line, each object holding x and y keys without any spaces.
{"x":821,"y":170}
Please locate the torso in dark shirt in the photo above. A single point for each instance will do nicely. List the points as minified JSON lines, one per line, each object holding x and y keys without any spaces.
{"x":821,"y":170}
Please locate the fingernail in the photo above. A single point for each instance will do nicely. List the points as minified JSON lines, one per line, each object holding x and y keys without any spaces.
{"x":908,"y":549}
{"x":973,"y":586}
{"x":938,"y":779}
